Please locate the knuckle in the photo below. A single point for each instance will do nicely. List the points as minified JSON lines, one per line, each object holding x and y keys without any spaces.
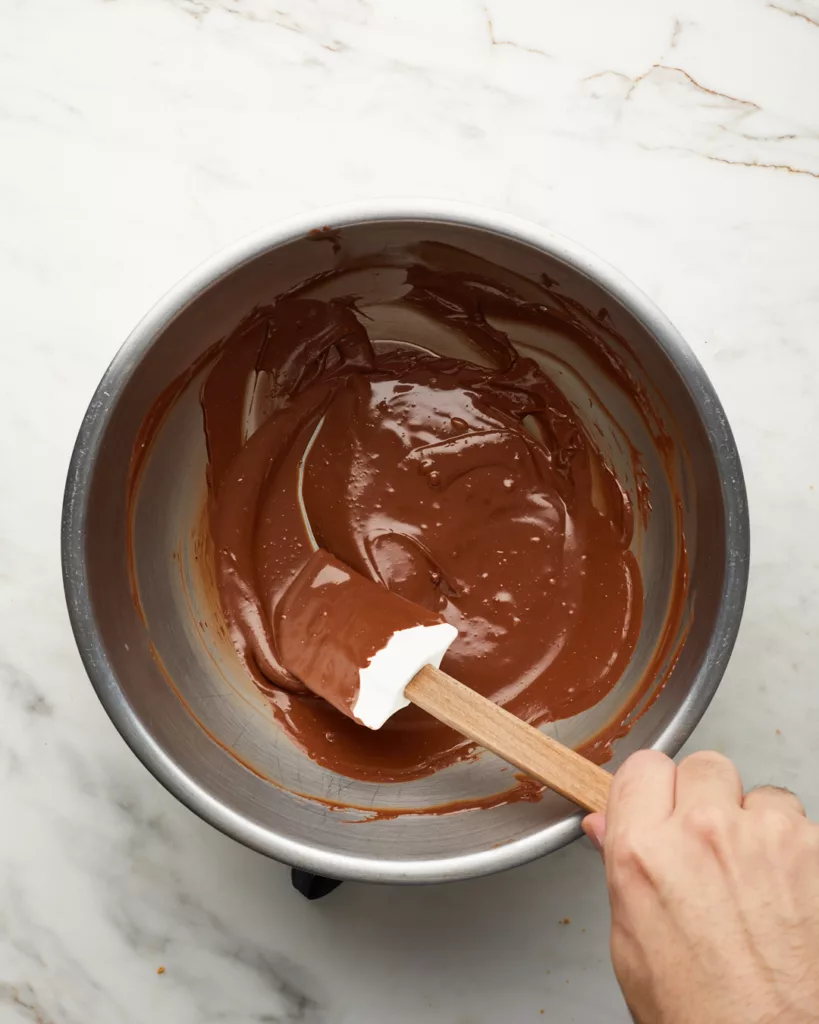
{"x":647,"y":757}
{"x":770,"y":790}
{"x":706,"y":760}
{"x":775,"y":793}
{"x":633,"y":855}
{"x":643,"y":761}
{"x":708,"y":822}
{"x":777,"y":824}
{"x":635,"y":771}
{"x":624,"y":786}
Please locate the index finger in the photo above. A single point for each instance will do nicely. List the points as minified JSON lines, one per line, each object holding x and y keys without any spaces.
{"x":642,"y":792}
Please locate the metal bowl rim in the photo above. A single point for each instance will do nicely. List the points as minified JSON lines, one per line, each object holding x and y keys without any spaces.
{"x":81,"y":472}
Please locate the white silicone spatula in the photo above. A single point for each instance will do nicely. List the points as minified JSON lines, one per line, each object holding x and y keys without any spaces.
{"x":370,"y":653}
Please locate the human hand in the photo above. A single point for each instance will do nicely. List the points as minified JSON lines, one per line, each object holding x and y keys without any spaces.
{"x":714,"y":897}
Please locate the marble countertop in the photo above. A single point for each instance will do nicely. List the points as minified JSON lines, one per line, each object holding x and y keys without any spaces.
{"x":679,"y":139}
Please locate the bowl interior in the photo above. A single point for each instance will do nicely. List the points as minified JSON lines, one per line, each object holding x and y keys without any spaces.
{"x":169,"y":668}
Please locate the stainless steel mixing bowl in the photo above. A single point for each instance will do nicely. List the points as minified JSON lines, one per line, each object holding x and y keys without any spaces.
{"x":170,"y":680}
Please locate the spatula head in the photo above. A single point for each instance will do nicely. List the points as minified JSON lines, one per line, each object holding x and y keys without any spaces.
{"x":355,"y":643}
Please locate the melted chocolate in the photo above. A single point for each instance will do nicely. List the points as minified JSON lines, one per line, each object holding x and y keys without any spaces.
{"x":332,"y":622}
{"x":472,"y":491}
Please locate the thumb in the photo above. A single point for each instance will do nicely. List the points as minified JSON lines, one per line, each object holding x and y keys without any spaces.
{"x":594,"y":825}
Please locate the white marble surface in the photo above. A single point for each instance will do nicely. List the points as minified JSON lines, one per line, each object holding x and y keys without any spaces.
{"x":677,"y":138}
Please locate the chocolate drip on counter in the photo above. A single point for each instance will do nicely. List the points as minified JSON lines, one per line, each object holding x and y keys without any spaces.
{"x":472,"y":491}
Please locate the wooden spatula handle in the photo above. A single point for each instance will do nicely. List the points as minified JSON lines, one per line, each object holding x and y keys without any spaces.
{"x":515,"y":741}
